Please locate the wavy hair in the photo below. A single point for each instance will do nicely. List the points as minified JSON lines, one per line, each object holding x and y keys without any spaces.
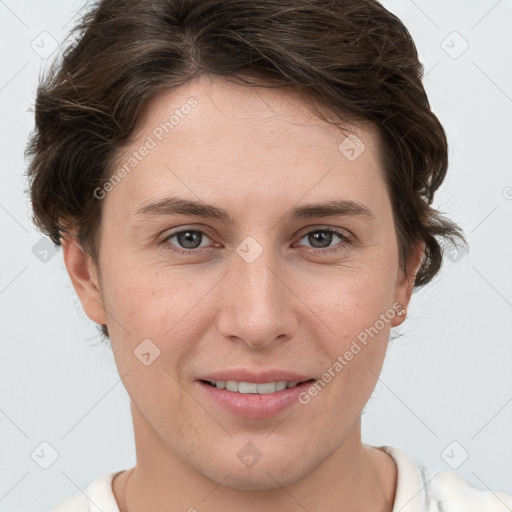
{"x":352,"y":58}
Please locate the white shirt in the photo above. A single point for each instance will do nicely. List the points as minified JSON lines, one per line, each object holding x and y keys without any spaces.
{"x":416,"y":491}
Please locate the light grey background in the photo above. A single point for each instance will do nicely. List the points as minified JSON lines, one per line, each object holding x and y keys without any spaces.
{"x":448,"y":379}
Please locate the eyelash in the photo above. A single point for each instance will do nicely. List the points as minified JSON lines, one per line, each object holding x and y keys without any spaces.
{"x":346,"y":241}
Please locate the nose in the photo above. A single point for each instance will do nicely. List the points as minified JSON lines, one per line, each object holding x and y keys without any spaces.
{"x":257,"y":303}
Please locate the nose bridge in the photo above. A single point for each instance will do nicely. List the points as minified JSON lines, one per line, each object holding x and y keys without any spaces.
{"x":255,"y":266}
{"x":258,"y":307}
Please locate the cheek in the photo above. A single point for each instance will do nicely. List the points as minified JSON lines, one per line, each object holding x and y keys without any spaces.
{"x":357,"y":310}
{"x":353,"y":359}
{"x":149,"y":302}
{"x":161,"y":313}
{"x":151,"y":336}
{"x":352,"y":299}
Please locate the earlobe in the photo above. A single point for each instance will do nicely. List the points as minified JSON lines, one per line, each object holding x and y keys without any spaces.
{"x":405,"y":285}
{"x":84,"y":277}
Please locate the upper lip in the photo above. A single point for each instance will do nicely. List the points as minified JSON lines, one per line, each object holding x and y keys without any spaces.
{"x":242,"y":375}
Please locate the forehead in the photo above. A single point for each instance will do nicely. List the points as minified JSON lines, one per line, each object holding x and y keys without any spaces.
{"x":212,"y":138}
{"x":222,"y":100}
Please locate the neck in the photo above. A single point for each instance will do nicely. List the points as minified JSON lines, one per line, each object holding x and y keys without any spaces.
{"x":355,"y":477}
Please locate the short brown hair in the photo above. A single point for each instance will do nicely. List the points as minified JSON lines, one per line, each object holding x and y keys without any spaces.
{"x":352,"y":56}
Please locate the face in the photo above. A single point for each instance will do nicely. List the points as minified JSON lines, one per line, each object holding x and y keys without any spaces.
{"x":256,"y":288}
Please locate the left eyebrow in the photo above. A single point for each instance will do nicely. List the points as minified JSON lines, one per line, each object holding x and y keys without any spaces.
{"x":177,"y":206}
{"x":332,"y":208}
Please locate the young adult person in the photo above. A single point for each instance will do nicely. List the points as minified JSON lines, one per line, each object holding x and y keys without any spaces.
{"x":242,"y":192}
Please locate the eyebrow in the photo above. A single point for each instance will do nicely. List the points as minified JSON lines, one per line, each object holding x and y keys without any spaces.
{"x":177,"y":206}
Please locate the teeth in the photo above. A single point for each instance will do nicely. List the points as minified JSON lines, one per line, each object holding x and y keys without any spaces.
{"x":247,"y":387}
{"x":251,"y":387}
{"x":231,"y":385}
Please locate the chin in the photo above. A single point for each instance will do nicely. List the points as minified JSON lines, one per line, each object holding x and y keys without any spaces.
{"x":264,"y":478}
{"x":272,"y":471}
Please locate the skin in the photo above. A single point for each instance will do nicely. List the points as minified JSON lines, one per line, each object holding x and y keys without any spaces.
{"x":256,"y":153}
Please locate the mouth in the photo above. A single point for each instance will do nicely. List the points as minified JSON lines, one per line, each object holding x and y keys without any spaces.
{"x":254,"y":400}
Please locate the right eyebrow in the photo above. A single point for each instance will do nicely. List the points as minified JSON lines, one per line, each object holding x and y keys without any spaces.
{"x":178,"y":206}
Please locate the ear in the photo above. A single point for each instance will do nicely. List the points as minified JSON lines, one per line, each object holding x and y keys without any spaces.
{"x":84,"y":277}
{"x":405,"y":282}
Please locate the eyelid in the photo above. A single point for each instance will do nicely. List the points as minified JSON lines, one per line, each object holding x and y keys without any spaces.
{"x":309,"y":229}
{"x":186,"y":227}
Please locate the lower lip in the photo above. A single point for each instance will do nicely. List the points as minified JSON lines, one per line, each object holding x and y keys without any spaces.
{"x":255,"y":406}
